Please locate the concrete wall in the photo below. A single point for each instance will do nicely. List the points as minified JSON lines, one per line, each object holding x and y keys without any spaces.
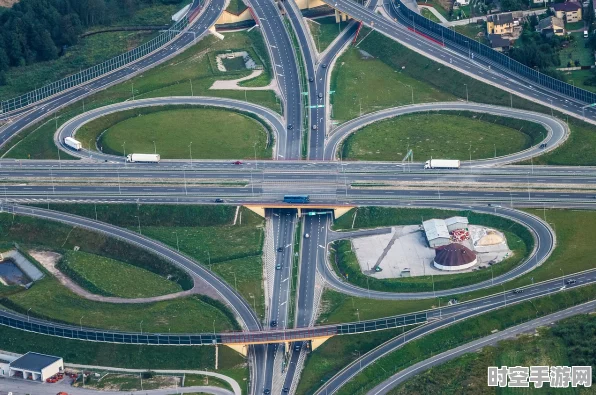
{"x":227,"y":17}
{"x":52,"y":369}
{"x":439,"y":241}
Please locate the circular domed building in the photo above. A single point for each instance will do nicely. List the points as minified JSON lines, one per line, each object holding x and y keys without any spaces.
{"x":454,"y":257}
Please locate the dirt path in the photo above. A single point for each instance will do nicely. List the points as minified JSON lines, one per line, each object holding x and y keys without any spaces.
{"x":49,"y":260}
{"x":233,"y":84}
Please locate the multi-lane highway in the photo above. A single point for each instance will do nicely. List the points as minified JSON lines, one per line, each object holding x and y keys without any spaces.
{"x":459,"y":58}
{"x":327,"y":183}
{"x":30,"y":115}
{"x":528,"y":327}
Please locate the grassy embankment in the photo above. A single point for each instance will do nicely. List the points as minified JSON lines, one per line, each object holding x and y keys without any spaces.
{"x":364,"y":84}
{"x":109,"y":277}
{"x":464,"y":332}
{"x":189,"y":314}
{"x":172,"y":78}
{"x":90,"y":50}
{"x":205,"y":233}
{"x":324,"y":31}
{"x":574,"y":247}
{"x":444,"y":134}
{"x":170,"y":130}
{"x":568,"y":257}
{"x":346,"y":264}
{"x":566,"y":343}
{"x":125,"y":356}
{"x":425,"y":12}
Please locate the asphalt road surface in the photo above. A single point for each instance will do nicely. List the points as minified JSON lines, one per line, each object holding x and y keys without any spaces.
{"x":25,"y":117}
{"x":476,"y":345}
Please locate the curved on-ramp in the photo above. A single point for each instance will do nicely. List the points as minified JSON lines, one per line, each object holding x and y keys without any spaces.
{"x":270,"y":117}
{"x":544,"y":243}
{"x":557,"y":129}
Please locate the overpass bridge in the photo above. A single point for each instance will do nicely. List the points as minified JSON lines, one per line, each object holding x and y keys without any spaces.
{"x":338,"y":210}
{"x":238,"y":341}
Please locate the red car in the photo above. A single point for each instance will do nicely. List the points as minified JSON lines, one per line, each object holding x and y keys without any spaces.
{"x":237,"y":162}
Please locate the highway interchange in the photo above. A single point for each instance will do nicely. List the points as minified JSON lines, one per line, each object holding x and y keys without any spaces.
{"x":267,"y":181}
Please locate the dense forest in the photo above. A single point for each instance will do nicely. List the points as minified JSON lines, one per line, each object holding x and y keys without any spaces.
{"x":39,"y":30}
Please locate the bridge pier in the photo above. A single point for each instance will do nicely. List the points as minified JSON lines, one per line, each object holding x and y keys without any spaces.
{"x":337,"y":211}
{"x":241,"y":349}
{"x":341,"y":17}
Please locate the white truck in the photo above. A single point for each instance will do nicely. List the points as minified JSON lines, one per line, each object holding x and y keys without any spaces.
{"x":149,"y":158}
{"x":442,"y":164}
{"x":72,"y":143}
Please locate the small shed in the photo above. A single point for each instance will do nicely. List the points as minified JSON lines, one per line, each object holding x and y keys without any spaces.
{"x":34,"y":366}
{"x":436,"y":232}
{"x":455,"y":223}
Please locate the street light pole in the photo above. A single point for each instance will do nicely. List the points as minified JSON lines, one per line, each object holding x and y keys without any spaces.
{"x":466,"y":85}
{"x":154,"y":147}
{"x":190,"y":151}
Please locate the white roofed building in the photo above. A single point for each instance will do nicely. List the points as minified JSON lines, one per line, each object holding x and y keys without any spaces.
{"x":455,"y":223}
{"x":436,"y":232}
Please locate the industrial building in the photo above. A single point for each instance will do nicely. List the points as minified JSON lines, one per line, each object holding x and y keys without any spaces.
{"x":455,"y":223}
{"x":34,"y":366}
{"x":454,"y":257}
{"x":436,"y":232}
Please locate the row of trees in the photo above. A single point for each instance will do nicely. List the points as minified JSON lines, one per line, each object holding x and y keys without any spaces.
{"x":37,"y":30}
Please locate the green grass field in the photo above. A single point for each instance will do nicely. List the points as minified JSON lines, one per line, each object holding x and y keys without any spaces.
{"x":114,"y":278}
{"x":385,"y":87}
{"x":125,"y":356}
{"x":335,"y":354}
{"x":216,"y":134}
{"x":576,"y":51}
{"x":173,"y":78}
{"x":428,"y":14}
{"x":440,"y":135}
{"x":324,"y":31}
{"x":205,"y":233}
{"x":470,"y":30}
{"x":570,"y":256}
{"x":385,"y":78}
{"x":48,"y":299}
{"x":90,"y":51}
{"x":463,"y":332}
{"x":579,"y":78}
{"x":548,"y":348}
{"x":236,"y":7}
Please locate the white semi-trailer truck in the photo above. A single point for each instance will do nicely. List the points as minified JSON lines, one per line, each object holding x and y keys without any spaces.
{"x":442,"y":164}
{"x":72,"y":143}
{"x":149,"y":158}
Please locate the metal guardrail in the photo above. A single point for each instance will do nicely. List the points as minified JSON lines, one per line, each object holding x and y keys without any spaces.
{"x":35,"y":325}
{"x":442,"y":33}
{"x":95,"y":71}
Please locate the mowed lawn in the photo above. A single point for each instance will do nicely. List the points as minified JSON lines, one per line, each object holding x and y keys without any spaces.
{"x":214,"y":134}
{"x":363,"y":84}
{"x":324,"y":31}
{"x":434,"y":135}
{"x":117,"y":278}
{"x":573,"y":253}
{"x":48,"y":299}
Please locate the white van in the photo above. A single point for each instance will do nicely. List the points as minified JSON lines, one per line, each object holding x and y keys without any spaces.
{"x":585,"y":34}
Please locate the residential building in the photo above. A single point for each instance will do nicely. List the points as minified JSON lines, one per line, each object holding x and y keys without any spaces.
{"x":498,"y":42}
{"x":500,"y":24}
{"x":570,"y":11}
{"x":551,"y":26}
